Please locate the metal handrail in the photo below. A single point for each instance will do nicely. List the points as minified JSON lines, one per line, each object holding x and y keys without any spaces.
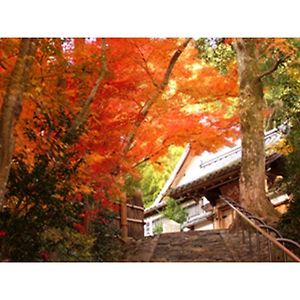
{"x":278,"y":242}
{"x":257,"y":220}
{"x":284,"y":240}
{"x":272,"y":229}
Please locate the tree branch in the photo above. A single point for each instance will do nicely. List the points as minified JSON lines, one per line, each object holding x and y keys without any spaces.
{"x":145,"y":66}
{"x":275,"y":66}
{"x":84,"y":113}
{"x":3,"y":66}
{"x":144,"y":111}
{"x":150,"y":155}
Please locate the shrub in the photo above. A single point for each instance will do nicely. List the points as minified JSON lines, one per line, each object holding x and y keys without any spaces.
{"x":46,"y":219}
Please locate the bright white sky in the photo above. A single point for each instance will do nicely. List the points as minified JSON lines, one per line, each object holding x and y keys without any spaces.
{"x":156,"y":18}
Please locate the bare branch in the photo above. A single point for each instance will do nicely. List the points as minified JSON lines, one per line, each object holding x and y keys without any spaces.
{"x":275,"y":66}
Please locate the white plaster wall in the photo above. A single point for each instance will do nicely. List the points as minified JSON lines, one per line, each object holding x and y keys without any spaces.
{"x":170,"y":226}
{"x":204,"y":226}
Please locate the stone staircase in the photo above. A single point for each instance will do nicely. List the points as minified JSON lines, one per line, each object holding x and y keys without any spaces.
{"x":198,"y":246}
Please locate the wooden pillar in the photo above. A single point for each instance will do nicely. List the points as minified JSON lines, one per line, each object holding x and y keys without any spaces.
{"x":124,"y":223}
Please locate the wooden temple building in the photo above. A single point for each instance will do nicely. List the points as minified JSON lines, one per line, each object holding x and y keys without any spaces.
{"x":197,"y":182}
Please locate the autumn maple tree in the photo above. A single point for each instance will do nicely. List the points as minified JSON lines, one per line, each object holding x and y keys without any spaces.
{"x":125,"y":101}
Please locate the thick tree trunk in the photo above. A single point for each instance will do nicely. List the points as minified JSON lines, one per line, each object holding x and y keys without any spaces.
{"x":252,"y":178}
{"x":11,"y":109}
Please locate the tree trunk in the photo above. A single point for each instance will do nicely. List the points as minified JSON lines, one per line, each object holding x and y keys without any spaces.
{"x":252,"y":104}
{"x":11,"y":109}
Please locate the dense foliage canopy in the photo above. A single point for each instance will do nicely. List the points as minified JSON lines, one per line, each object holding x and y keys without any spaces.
{"x":90,"y":114}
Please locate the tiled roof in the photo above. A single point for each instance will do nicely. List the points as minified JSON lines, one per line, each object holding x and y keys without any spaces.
{"x":210,"y":165}
{"x":207,"y":165}
{"x":202,"y":181}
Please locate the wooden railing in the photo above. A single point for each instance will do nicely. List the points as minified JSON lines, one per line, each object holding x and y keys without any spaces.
{"x":279,"y":248}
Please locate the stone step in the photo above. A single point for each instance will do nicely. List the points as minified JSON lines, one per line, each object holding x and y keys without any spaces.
{"x":199,"y":246}
{"x":191,"y":247}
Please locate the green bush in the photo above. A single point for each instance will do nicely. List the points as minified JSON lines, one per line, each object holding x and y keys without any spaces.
{"x":158,"y":229}
{"x":45,"y":220}
{"x":174,"y":212}
{"x":289,"y":223}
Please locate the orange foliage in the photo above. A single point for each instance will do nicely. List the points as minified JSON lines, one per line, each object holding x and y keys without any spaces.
{"x":65,"y":73}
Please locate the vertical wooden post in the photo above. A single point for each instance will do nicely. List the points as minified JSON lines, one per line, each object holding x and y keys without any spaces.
{"x":124,"y":223}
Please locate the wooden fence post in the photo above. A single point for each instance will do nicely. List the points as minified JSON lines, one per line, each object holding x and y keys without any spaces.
{"x":124,"y":223}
